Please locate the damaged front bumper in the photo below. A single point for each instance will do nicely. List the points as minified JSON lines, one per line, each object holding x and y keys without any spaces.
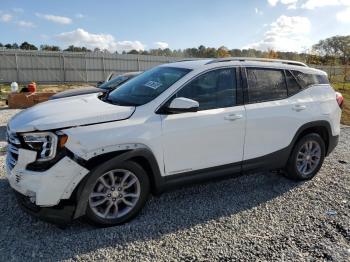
{"x":42,"y":193}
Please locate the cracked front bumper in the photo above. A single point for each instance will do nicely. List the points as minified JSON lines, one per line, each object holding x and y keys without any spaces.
{"x":48,"y":188}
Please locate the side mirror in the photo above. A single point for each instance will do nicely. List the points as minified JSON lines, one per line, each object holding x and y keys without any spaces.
{"x":182,"y":105}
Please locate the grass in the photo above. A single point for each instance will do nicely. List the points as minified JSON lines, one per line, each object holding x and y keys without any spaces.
{"x":344,"y":89}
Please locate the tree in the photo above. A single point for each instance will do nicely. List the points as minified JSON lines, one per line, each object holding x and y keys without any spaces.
{"x":334,"y":47}
{"x":12,"y":46}
{"x":50,"y":48}
{"x":27,"y":46}
{"x":272,"y":54}
{"x":133,"y":52}
{"x":223,"y":52}
{"x":73,"y":48}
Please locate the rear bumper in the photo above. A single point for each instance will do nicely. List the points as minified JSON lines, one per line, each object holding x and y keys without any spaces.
{"x":333,"y":142}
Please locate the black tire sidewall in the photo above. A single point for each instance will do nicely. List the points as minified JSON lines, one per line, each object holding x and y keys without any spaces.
{"x":292,"y":170}
{"x":102,"y":169}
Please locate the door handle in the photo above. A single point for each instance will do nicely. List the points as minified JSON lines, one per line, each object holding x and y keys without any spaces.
{"x":299,"y":108}
{"x":233,"y":117}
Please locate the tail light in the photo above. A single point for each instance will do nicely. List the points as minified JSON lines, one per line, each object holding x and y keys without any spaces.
{"x":340,"y":99}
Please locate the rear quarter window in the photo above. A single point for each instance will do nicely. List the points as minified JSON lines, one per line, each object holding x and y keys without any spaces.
{"x":306,"y":80}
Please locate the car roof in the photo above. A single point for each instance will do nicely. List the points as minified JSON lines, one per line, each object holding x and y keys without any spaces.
{"x":131,"y":73}
{"x":248,"y":62}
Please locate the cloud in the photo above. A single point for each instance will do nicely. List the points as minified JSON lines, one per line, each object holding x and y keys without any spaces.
{"x":291,"y":3}
{"x":287,"y":33}
{"x":80,"y":37}
{"x":272,"y":2}
{"x":26,"y":24}
{"x":344,"y":16}
{"x":56,"y":19}
{"x":5,"y":18}
{"x":161,"y":45}
{"x":312,"y":4}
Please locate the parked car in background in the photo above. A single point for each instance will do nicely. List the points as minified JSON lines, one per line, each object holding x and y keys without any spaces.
{"x":178,"y":123}
{"x":105,"y":87}
{"x":108,"y":78}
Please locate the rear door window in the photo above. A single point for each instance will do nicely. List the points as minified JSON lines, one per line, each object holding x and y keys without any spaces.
{"x":266,"y":84}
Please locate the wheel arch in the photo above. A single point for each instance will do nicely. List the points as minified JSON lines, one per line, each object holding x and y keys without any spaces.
{"x":322,"y":128}
{"x":142,"y":156}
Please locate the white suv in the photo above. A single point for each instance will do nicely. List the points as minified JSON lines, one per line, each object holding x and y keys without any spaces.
{"x":102,"y":155}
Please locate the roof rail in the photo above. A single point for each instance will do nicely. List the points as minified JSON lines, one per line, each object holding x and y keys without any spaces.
{"x":187,"y":60}
{"x":242,"y":59}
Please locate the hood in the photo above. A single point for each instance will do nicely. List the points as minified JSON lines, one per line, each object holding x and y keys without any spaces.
{"x":77,"y":92}
{"x":67,"y":112}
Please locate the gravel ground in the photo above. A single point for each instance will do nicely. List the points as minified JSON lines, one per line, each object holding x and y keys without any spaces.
{"x":255,"y":217}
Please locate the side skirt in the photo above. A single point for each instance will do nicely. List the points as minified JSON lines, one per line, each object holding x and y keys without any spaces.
{"x":271,"y":161}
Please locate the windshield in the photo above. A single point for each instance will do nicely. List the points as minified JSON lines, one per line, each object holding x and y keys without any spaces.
{"x":113,"y":83}
{"x":147,"y":86}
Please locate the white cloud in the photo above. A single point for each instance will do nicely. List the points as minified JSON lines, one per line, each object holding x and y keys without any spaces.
{"x":286,"y":34}
{"x":272,"y":2}
{"x":161,"y":45}
{"x":80,"y":37}
{"x":26,"y":24}
{"x":5,"y":18}
{"x":344,"y":16}
{"x":312,"y":4}
{"x":290,"y":3}
{"x":55,"y":18}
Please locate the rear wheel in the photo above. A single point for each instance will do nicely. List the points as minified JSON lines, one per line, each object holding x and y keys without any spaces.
{"x":117,"y":193}
{"x":306,"y":158}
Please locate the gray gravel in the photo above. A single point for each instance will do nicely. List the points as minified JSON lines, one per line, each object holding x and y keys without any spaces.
{"x":261,"y":216}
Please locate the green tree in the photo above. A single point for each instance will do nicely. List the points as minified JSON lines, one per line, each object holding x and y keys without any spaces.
{"x":50,"y":48}
{"x":27,"y":46}
{"x":133,"y":52}
{"x":73,"y":48}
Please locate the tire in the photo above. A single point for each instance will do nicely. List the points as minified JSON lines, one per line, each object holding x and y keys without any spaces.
{"x":296,"y":168}
{"x":103,"y":195}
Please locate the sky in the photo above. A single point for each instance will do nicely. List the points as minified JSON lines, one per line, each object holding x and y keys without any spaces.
{"x":123,"y":25}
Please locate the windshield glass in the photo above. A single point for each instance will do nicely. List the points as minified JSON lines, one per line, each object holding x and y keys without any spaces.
{"x":113,"y":83}
{"x":147,"y":86}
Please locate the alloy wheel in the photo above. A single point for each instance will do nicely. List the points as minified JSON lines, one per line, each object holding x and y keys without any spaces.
{"x":115,"y":194}
{"x":308,"y":157}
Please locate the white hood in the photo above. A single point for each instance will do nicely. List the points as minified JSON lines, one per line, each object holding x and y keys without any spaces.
{"x":67,"y":112}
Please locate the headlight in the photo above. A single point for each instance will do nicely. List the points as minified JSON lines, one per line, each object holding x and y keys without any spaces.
{"x":44,"y":143}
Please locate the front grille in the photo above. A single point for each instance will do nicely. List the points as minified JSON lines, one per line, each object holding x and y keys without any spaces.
{"x":12,"y":149}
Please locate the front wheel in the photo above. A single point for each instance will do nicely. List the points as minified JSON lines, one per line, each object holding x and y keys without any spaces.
{"x":306,"y":158}
{"x":117,"y":193}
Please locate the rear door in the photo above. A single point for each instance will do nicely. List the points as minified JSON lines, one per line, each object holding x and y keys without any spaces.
{"x":211,"y":137}
{"x":274,"y":112}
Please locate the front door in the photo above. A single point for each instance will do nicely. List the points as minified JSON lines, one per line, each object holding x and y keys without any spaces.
{"x":211,"y":137}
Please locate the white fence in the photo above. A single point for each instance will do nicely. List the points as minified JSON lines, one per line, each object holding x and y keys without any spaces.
{"x":70,"y":67}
